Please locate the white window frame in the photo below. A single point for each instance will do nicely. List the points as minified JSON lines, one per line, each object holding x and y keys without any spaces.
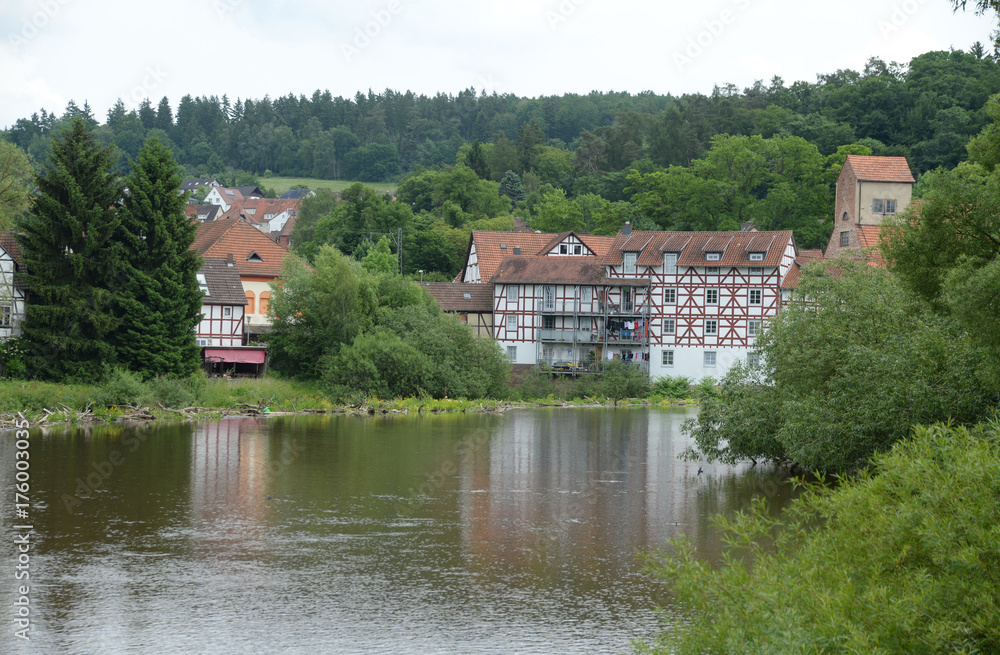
{"x":549,"y":298}
{"x":577,"y":249}
{"x":669,"y":326}
{"x":756,"y":297}
{"x":712,"y":270}
{"x":510,"y":321}
{"x":713,"y":256}
{"x":586,"y":294}
{"x":890,"y":206}
{"x":754,"y":327}
{"x":756,"y":270}
{"x":512,"y":294}
{"x":711,"y":296}
{"x":563,"y":249}
{"x":667,"y":358}
{"x":670,"y":296}
{"x":548,"y":322}
{"x":711,"y":327}
{"x":227,"y":312}
{"x":670,"y":263}
{"x":753,"y":359}
{"x":709,"y":359}
{"x":845,"y":239}
{"x":512,"y":353}
{"x":628,"y":262}
{"x":756,"y":257}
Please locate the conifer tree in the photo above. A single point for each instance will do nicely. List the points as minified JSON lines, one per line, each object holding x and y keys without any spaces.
{"x":511,"y":187}
{"x":476,"y":160}
{"x":159,"y":302}
{"x":71,"y":259}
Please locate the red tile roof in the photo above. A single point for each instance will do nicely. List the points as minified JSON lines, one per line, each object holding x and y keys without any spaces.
{"x":870,"y":237}
{"x":489,"y":254}
{"x":791,"y":280}
{"x":8,"y":241}
{"x":452,"y":296}
{"x":527,"y":269}
{"x":692,"y":246}
{"x":241,"y":239}
{"x":880,"y":169}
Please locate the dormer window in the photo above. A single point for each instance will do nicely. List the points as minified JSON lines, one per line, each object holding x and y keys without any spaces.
{"x":629,"y":263}
{"x":756,"y":256}
{"x":229,"y":193}
{"x":670,"y":263}
{"x":203,"y":284}
{"x":254,"y":257}
{"x":713,"y":256}
{"x":577,"y":250}
{"x":563,"y":249}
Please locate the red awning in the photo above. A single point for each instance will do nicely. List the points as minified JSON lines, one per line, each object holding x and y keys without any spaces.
{"x":236,"y":355}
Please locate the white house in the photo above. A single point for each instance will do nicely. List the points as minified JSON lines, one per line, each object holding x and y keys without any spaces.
{"x":12,"y":292}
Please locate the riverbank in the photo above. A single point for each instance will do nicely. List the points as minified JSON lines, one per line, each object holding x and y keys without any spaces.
{"x":128,"y":399}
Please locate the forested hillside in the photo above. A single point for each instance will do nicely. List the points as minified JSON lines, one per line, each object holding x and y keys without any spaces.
{"x":586,"y":162}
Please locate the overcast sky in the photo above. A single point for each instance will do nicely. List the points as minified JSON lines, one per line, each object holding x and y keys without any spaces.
{"x":101,"y":50}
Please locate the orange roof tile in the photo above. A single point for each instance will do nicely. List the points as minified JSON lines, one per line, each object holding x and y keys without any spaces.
{"x":241,"y":239}
{"x":692,"y":246}
{"x":870,"y":237}
{"x":489,"y":254}
{"x":880,"y":169}
{"x":458,"y":297}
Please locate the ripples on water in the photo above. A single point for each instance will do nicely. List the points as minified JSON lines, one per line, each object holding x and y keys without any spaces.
{"x":443,"y":534}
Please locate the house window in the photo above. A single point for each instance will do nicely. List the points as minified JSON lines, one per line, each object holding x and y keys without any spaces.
{"x":668,"y":357}
{"x":670,"y":296}
{"x":511,"y":326}
{"x":563,"y":249}
{"x":512,"y":353}
{"x":713,"y":256}
{"x":6,"y":312}
{"x":203,"y":284}
{"x":265,"y":302}
{"x":711,"y":296}
{"x":577,"y":249}
{"x":512,"y":294}
{"x":548,"y":322}
{"x":586,"y":294}
{"x":756,"y":270}
{"x":709,"y":360}
{"x":754,"y":328}
{"x":251,"y":302}
{"x":669,"y":326}
{"x":712,"y":270}
{"x":845,"y":238}
{"x":227,"y":312}
{"x":755,"y":296}
{"x":890,"y":206}
{"x":550,"y":298}
{"x":670,"y":263}
{"x":711,"y":326}
{"x":753,"y":359}
{"x":845,"y":217}
{"x":630,"y":263}
{"x":756,"y":257}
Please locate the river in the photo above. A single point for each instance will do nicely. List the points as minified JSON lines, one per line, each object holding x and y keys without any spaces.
{"x":459,"y":533}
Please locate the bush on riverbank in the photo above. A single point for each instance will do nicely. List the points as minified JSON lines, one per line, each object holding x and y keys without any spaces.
{"x":904,"y":559}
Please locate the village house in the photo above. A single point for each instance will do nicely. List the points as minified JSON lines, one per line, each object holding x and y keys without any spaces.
{"x":221,"y":329}
{"x":257,"y":258}
{"x":12,"y":291}
{"x":471,"y":303}
{"x":868,"y":190}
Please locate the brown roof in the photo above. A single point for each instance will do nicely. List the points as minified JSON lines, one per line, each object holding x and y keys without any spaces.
{"x":880,"y":169}
{"x":528,"y":269}
{"x":458,"y":297}
{"x":692,"y":246}
{"x":870,"y":237}
{"x":489,"y":254}
{"x":224,"y":286}
{"x":9,"y":243}
{"x":241,"y":239}
{"x":791,"y":280}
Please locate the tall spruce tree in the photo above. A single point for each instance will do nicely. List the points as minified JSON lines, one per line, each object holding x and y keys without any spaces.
{"x":72,"y":261}
{"x":159,"y":302}
{"x":476,"y":160}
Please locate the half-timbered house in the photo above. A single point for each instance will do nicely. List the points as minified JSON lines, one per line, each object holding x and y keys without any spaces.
{"x":12,"y":291}
{"x":221,"y":330}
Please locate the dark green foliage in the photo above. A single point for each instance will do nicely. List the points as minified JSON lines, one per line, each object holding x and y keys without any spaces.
{"x":476,"y":160}
{"x":903,"y":559}
{"x":672,"y":387}
{"x":511,"y":187}
{"x":121,"y":387}
{"x":158,"y":298}
{"x":620,"y":380}
{"x":73,"y":263}
{"x":847,"y":374}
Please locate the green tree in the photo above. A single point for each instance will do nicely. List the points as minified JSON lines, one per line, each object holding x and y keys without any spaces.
{"x":511,"y":187}
{"x":159,"y":301}
{"x":15,"y":183}
{"x":71,"y":259}
{"x":901,"y":559}
{"x":619,"y":381}
{"x":476,"y":160}
{"x":380,"y":260}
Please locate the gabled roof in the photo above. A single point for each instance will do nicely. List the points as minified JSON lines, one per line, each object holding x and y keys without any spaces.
{"x":223,"y":280}
{"x":260,"y":208}
{"x":538,"y":269}
{"x":458,"y":297}
{"x":249,"y":191}
{"x":489,"y":254}
{"x":297,"y":194}
{"x":868,"y":168}
{"x":192,"y":183}
{"x":599,"y":245}
{"x":692,"y":246}
{"x":791,"y":280}
{"x":241,"y":239}
{"x":8,"y":241}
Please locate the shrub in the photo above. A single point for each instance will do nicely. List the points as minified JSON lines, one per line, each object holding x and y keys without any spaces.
{"x":121,"y":387}
{"x":673,"y":387}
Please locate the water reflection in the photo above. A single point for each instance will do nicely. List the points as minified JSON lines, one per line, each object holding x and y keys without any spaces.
{"x":443,"y":534}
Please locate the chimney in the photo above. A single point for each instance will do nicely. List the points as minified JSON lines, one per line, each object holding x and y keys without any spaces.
{"x":517,"y":251}
{"x":230,"y":260}
{"x":627,"y":228}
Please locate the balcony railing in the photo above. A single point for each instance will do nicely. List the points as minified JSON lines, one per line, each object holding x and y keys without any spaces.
{"x":626,"y":309}
{"x":569,"y":336}
{"x":571,"y":307}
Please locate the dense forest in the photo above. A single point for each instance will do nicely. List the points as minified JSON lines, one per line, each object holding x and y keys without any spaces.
{"x":767,"y":153}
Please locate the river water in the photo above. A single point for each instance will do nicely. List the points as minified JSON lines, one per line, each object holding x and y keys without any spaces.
{"x":460,"y":533}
